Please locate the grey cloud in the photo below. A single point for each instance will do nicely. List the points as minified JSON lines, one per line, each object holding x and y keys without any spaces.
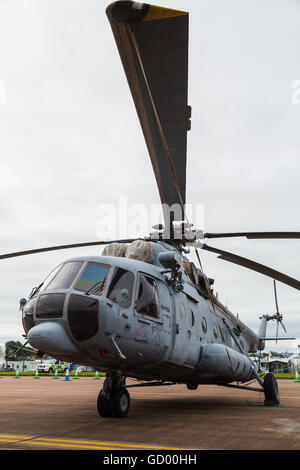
{"x":70,"y":139}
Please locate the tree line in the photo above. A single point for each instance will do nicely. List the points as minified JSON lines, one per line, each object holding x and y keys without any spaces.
{"x":13,"y":351}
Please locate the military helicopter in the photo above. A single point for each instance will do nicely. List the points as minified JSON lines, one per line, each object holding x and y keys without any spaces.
{"x":142,"y":310}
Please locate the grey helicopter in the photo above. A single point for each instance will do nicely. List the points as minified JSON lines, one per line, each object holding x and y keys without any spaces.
{"x":143,"y":310}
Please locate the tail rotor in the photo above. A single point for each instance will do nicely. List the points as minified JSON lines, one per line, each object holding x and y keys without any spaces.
{"x":277,"y":316}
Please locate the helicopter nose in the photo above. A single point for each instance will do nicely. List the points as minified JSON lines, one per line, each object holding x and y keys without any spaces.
{"x":51,"y":337}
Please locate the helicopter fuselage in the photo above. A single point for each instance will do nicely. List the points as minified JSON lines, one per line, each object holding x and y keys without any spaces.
{"x":121,"y":314}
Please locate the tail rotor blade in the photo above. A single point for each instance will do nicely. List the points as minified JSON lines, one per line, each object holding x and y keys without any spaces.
{"x":277,"y":325}
{"x":275,"y":293}
{"x":282,"y":324}
{"x":279,"y":320}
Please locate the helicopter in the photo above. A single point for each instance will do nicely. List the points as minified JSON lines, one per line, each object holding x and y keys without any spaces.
{"x":142,"y":310}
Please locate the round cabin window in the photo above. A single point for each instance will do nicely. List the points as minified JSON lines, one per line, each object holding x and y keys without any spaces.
{"x":204,"y":325}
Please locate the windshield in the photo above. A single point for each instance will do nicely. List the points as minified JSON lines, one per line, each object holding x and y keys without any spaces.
{"x":64,"y":277}
{"x":60,"y":277}
{"x":48,"y":279}
{"x":93,"y":278}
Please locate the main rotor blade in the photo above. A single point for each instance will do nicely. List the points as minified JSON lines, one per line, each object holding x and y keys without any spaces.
{"x":63,"y":247}
{"x":253,"y":235}
{"x":153,"y":46}
{"x":260,"y":268}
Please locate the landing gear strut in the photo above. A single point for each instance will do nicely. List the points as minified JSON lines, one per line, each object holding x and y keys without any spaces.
{"x":113,"y":399}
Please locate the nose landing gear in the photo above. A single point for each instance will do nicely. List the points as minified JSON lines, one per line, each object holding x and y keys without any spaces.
{"x":113,"y":399}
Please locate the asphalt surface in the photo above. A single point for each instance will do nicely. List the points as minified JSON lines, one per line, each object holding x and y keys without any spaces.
{"x":56,"y":414}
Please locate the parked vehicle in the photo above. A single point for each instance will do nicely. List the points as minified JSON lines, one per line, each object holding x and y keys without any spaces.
{"x":84,"y":369}
{"x":51,"y":365}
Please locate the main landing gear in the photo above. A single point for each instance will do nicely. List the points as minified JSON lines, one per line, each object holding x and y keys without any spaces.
{"x":271,"y":391}
{"x":269,"y":387}
{"x":113,"y":399}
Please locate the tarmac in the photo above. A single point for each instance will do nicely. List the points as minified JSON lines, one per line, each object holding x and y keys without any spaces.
{"x":56,"y":414}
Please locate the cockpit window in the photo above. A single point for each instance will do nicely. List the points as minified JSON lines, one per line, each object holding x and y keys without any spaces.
{"x":27,"y":314}
{"x":93,"y":278}
{"x":41,"y":287}
{"x":147,"y":300}
{"x":120,"y":289}
{"x":62,"y":278}
{"x":50,"y":306}
{"x":83,"y":317}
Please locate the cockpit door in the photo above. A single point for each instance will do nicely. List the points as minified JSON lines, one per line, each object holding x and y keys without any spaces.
{"x":180,"y":331}
{"x":153,"y":318}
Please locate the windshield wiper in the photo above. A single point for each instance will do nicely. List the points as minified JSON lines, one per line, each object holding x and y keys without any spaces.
{"x":101,"y":284}
{"x":35,"y":290}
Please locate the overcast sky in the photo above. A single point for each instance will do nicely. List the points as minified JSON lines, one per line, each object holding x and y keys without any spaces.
{"x":70,"y":141}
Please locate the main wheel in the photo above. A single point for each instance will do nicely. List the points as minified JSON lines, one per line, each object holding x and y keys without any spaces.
{"x":120,"y":403}
{"x":104,"y":406}
{"x":272,"y":397}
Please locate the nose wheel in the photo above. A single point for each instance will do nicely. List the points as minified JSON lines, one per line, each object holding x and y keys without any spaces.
{"x":113,"y":399}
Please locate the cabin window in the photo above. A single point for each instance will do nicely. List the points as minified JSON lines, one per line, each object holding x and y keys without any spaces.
{"x":64,"y":277}
{"x":50,"y":306}
{"x":93,"y":278}
{"x":204,"y":325}
{"x":83,"y":317}
{"x":182,"y":311}
{"x":222,"y":334}
{"x":121,"y":286}
{"x":147,"y":300}
{"x":215,"y":330}
{"x":191,"y":318}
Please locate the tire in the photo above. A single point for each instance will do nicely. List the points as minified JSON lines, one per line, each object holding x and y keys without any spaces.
{"x":104,"y":406}
{"x":120,"y":403}
{"x":272,"y":397}
{"x":191,"y":386}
